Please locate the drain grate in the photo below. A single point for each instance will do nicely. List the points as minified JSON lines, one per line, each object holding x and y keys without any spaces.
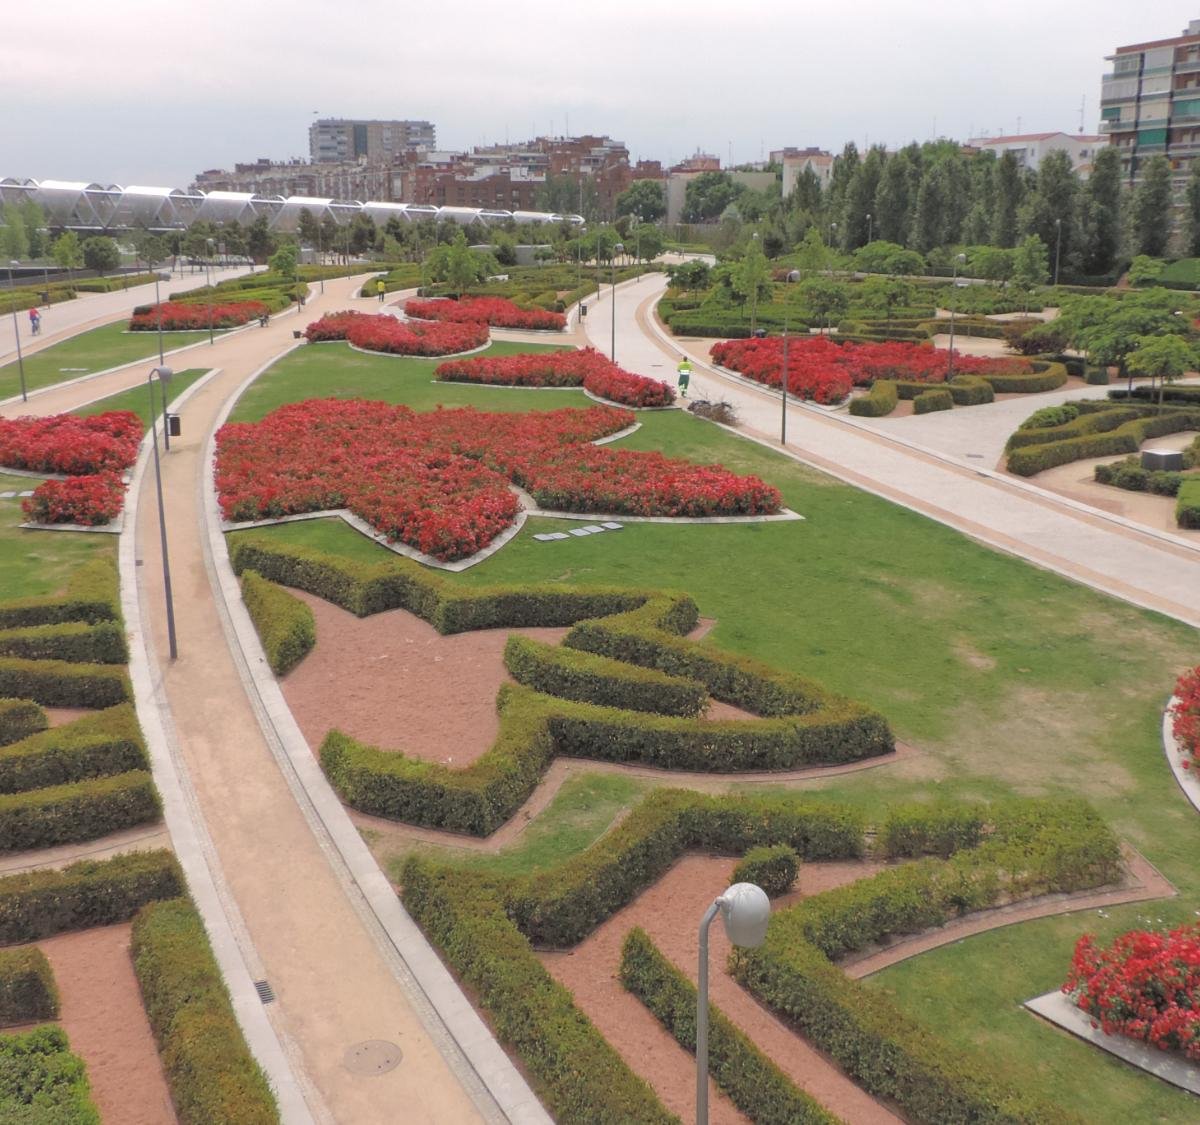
{"x":372,"y":1058}
{"x":265,"y":992}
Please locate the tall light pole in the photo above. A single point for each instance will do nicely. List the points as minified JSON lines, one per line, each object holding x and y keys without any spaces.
{"x":579,"y":255}
{"x":754,"y":295}
{"x":793,"y":275}
{"x":164,"y":377}
{"x":158,"y":306}
{"x":832,"y":234}
{"x":12,"y":285}
{"x":1057,"y":246}
{"x":618,"y":249}
{"x":953,"y":300}
{"x":869,"y":228}
{"x":745,"y":910}
{"x":208,"y":289}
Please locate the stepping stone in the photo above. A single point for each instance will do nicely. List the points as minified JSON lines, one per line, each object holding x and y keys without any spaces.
{"x":558,"y":535}
{"x":545,"y":538}
{"x":580,"y":531}
{"x":24,"y":494}
{"x":593,"y":528}
{"x":612,"y":526}
{"x":7,"y":495}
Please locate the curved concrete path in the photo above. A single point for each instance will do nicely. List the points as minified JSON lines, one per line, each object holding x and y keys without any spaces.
{"x":1151,"y":569}
{"x":309,"y":932}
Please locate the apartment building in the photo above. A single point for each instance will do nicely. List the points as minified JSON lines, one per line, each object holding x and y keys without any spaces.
{"x":327,"y":180}
{"x":1030,"y":149}
{"x":338,"y":140}
{"x":1150,"y":103}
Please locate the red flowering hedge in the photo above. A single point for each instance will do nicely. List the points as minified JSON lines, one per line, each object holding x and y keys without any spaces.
{"x":499,"y":312}
{"x":66,"y":443}
{"x":439,"y":481}
{"x":1185,"y":713}
{"x":1145,"y":986}
{"x":821,"y":369}
{"x":586,"y":368}
{"x":177,"y":316}
{"x":91,"y":500}
{"x":384,"y":333}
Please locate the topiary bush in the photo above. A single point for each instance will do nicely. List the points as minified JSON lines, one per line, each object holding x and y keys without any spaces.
{"x":879,"y":401}
{"x":773,"y":867}
{"x":936,"y":398}
{"x":60,"y":683}
{"x":27,"y":990}
{"x":970,"y":390}
{"x":81,"y":810}
{"x":284,"y":623}
{"x":42,"y":1082}
{"x":78,"y":641}
{"x":98,"y":745}
{"x":91,"y":596}
{"x":19,"y":718}
{"x":1187,"y":507}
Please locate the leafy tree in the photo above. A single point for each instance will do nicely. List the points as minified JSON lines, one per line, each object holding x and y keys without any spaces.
{"x":708,"y":195}
{"x":893,"y":201}
{"x":14,"y":242}
{"x":692,"y":275}
{"x":283,"y":261}
{"x":1164,"y":358}
{"x":66,"y":251}
{"x":1009,"y":192}
{"x":361,"y":233}
{"x":889,"y":258}
{"x":929,"y":217}
{"x":1101,"y":214}
{"x":990,"y":262}
{"x":1110,"y":331}
{"x":643,"y":198}
{"x":1029,"y":266}
{"x":844,"y":167}
{"x":860,"y":199}
{"x":100,"y":254}
{"x":260,"y":243}
{"x":1144,"y":270}
{"x":1050,"y":210}
{"x":151,"y":248}
{"x":34,"y":220}
{"x":806,"y":194}
{"x":462,"y":267}
{"x":751,"y":279}
{"x":309,"y":229}
{"x":1151,"y":208}
{"x":566,"y":195}
{"x":825,"y":297}
{"x":505,"y":249}
{"x":647,"y":241}
{"x":1192,"y":211}
{"x":812,"y":254}
{"x":885,"y":294}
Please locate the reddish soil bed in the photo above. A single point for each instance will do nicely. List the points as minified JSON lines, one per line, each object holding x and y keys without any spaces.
{"x":103,"y":1017}
{"x":60,"y":716}
{"x":670,"y":912}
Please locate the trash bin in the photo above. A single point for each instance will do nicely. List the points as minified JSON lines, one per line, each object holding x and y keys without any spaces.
{"x":582,"y":308}
{"x":173,"y":427}
{"x":296,"y":333}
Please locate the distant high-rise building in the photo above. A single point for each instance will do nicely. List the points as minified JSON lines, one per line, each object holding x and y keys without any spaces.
{"x":336,"y":140}
{"x":1150,"y":103}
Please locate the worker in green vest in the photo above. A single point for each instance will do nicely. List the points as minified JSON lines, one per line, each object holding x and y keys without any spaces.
{"x":684,"y":372}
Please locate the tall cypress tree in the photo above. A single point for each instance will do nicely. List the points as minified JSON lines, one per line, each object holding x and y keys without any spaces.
{"x":1192,"y":227}
{"x":1100,"y":215}
{"x":860,"y":200}
{"x":1009,"y":192}
{"x":893,"y":200}
{"x":1151,"y":208}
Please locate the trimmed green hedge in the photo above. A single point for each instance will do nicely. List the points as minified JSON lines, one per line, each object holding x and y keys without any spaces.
{"x":930,"y":829}
{"x":1178,"y":396}
{"x":753,"y":1082}
{"x":932,"y":399}
{"x":42,"y":1082}
{"x":586,"y":677}
{"x":58,"y":683}
{"x":773,"y":867}
{"x":970,"y":390}
{"x":213,"y":1077}
{"x":78,"y":641}
{"x":27,"y":990}
{"x":1187,"y":507}
{"x":41,"y":903}
{"x":577,"y":1075}
{"x":108,"y":742}
{"x":880,"y":400}
{"x":91,"y":596}
{"x":80,"y":810}
{"x":19,"y":718}
{"x":1129,"y":475}
{"x":1046,"y":376}
{"x":285,"y":624}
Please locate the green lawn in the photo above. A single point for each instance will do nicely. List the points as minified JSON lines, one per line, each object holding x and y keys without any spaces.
{"x":137,"y":398}
{"x":338,"y":371}
{"x":1007,"y":678}
{"x":97,"y":350}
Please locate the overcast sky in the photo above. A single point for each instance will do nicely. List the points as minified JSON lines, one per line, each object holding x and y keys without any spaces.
{"x":150,"y":92}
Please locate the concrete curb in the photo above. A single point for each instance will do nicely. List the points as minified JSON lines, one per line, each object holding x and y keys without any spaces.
{"x":1057,"y":1009}
{"x":1176,"y":757}
{"x":494,"y":1083}
{"x":193,"y":846}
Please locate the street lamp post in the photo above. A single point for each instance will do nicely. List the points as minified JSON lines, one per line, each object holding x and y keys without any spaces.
{"x":579,"y":259}
{"x":618,"y":249}
{"x":869,"y":228}
{"x":12,"y":285}
{"x":158,"y":307}
{"x":754,"y":298}
{"x":832,"y":234}
{"x":793,"y":275}
{"x":953,"y":300}
{"x":208,"y":294}
{"x":745,"y":910}
{"x":164,"y":377}
{"x":1057,"y":246}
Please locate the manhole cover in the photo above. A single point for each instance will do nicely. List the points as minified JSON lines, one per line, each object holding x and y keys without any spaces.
{"x":372,"y":1057}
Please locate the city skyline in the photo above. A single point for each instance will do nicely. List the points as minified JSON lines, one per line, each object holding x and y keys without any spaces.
{"x":898,"y":76}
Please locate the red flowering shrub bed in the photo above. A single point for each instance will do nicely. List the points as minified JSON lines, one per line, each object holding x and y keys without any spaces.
{"x":1145,"y":986}
{"x":823,"y":370}
{"x":91,"y":500}
{"x":384,"y":333}
{"x":499,"y":312}
{"x":180,"y":317}
{"x":1185,"y":713}
{"x":65,"y":443}
{"x":439,"y":481}
{"x":586,"y":368}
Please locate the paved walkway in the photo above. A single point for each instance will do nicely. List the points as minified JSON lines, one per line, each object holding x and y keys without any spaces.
{"x":1153,"y":570}
{"x":90,"y":310}
{"x":333,"y":984}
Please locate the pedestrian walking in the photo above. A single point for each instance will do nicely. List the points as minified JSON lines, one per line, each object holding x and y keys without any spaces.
{"x":35,"y":322}
{"x":380,"y":288}
{"x":684,"y":374}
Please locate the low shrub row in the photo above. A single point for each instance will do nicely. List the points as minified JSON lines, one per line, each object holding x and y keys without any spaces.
{"x":60,"y":683}
{"x":878,"y":401}
{"x":576,"y":1074}
{"x":970,"y":390}
{"x":42,"y":1082}
{"x":753,"y":1082}
{"x":1187,"y":506}
{"x":1188,"y":395}
{"x":773,"y":867}
{"x":41,"y":903}
{"x":1129,"y":475}
{"x":19,"y":718}
{"x":214,"y":1079}
{"x":588,"y":678}
{"x":100,"y":745}
{"x":285,"y":624}
{"x":76,"y":641}
{"x":27,"y":990}
{"x":91,"y":596}
{"x":79,"y":810}
{"x":1046,"y":376}
{"x":938,"y":828}
{"x":932,"y":399}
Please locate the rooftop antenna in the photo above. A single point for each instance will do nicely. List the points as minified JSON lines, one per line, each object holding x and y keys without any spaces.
{"x":1018,"y":125}
{"x":1082,"y":105}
